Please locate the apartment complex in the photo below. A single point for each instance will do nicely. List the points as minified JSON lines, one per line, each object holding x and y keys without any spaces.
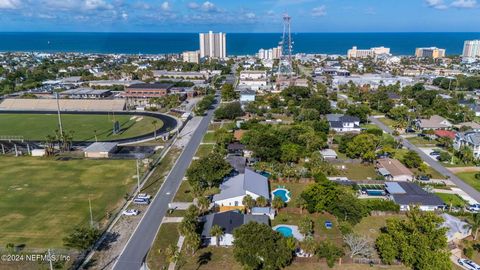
{"x":191,"y":57}
{"x":365,"y":53}
{"x":270,"y":54}
{"x":431,"y":52}
{"x":213,"y":45}
{"x":471,"y":49}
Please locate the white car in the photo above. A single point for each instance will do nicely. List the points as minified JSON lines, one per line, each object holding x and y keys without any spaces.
{"x":468,"y":264}
{"x":144,"y":196}
{"x":474,"y":207}
{"x":130,"y":212}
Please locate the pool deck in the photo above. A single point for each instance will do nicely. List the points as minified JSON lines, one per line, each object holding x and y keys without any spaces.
{"x":294,"y":229}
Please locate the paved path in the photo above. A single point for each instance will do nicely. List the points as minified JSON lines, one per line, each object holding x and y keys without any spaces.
{"x":432,"y":163}
{"x":172,"y":220}
{"x":135,"y":252}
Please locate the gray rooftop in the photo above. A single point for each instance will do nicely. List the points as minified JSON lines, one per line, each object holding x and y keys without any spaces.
{"x":229,"y":221}
{"x":239,"y":185}
{"x":406,"y":193}
{"x":100,"y":147}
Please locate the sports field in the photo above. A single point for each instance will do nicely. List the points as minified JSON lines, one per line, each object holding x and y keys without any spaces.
{"x":41,"y":200}
{"x":83,"y":127}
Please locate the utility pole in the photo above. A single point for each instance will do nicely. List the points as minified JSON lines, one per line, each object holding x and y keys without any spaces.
{"x":138,"y":175}
{"x":91,"y":214}
{"x":59,"y":116}
{"x":50,"y":260}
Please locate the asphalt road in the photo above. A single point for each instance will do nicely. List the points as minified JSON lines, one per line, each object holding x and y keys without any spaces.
{"x":135,"y":252}
{"x":433,"y":163}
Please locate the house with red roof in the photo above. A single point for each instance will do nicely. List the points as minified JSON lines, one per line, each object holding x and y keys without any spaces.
{"x":445,"y":134}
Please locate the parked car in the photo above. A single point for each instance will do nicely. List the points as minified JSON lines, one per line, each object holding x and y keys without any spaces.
{"x":423,"y":178}
{"x":468,"y":264}
{"x":141,"y":201}
{"x":130,"y":212}
{"x":474,"y":207}
{"x":409,"y":130}
{"x":144,"y":196}
{"x":435,"y":153}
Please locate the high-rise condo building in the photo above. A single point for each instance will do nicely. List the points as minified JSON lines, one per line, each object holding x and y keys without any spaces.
{"x":191,"y":57}
{"x":270,"y":54}
{"x":431,"y":52}
{"x":372,"y":52}
{"x":471,"y":49}
{"x":213,"y":45}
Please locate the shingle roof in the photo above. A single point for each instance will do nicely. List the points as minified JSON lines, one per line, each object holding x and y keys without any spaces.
{"x":229,"y":221}
{"x":393,"y":166}
{"x":239,"y":185}
{"x":100,"y":147}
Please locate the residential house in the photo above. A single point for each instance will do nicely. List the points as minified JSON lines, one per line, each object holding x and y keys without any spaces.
{"x":472,"y":125}
{"x":457,"y":229}
{"x":343,"y":123}
{"x":247,"y":95}
{"x":237,"y":162}
{"x":228,"y":221}
{"x":407,"y":194}
{"x":235,"y":148}
{"x":234,"y":189}
{"x":469,"y":139}
{"x":433,"y":123}
{"x":266,"y":211}
{"x":393,"y":170}
{"x":444,"y":134}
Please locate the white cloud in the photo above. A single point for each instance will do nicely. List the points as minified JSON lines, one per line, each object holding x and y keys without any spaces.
{"x":97,"y":4}
{"x":464,"y":3}
{"x":437,"y":4}
{"x":193,"y":5}
{"x":319,"y":11}
{"x":124,"y":15}
{"x":9,"y":4}
{"x":209,"y":6}
{"x":250,"y":15}
{"x":165,"y":6}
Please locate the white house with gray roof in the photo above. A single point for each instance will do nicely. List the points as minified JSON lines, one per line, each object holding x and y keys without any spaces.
{"x":234,"y":189}
{"x":344,"y":123}
{"x":469,"y":139}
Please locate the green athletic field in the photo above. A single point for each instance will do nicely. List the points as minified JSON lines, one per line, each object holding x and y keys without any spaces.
{"x":41,"y":200}
{"x":84,"y":127}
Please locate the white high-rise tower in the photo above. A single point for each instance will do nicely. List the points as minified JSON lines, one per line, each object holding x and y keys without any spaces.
{"x":213,"y":45}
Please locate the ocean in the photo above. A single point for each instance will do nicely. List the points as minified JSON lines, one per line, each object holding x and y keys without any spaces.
{"x":237,"y":43}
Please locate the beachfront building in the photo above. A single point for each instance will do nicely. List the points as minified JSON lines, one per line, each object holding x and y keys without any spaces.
{"x":191,"y":57}
{"x":270,"y":54}
{"x":471,"y":49}
{"x":430,"y":52}
{"x":213,"y":45}
{"x":365,"y":53}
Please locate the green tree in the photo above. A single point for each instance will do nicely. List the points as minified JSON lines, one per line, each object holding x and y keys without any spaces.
{"x":301,"y":203}
{"x":172,"y":253}
{"x":412,"y":160}
{"x":363,"y":146}
{"x":228,"y":92}
{"x":261,"y":201}
{"x":257,"y":246}
{"x":290,"y":152}
{"x":82,"y":238}
{"x":207,"y":172}
{"x":306,"y":226}
{"x":217,"y":232}
{"x":475,"y":225}
{"x":203,"y":204}
{"x":229,"y":111}
{"x":330,"y":252}
{"x":418,"y":241}
{"x":277,"y":203}
{"x":248,"y":202}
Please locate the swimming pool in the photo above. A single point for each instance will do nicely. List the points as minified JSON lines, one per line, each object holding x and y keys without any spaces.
{"x":285,"y":231}
{"x":284,"y":194}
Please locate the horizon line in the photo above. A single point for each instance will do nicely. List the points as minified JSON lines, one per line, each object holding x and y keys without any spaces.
{"x":151,"y":32}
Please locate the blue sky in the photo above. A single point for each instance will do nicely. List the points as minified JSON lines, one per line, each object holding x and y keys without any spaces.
{"x":240,"y":15}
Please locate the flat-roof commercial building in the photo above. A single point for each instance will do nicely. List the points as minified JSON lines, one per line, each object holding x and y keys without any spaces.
{"x":354,"y":52}
{"x":213,"y":45}
{"x":430,"y":52}
{"x":147,"y":90}
{"x":85,"y":93}
{"x":100,"y":150}
{"x":471,"y":49}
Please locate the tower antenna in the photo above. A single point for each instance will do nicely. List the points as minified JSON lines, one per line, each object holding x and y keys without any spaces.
{"x":285,"y":67}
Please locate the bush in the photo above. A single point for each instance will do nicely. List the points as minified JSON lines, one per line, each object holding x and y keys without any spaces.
{"x":468,"y":251}
{"x":381,"y":205}
{"x":477,"y":176}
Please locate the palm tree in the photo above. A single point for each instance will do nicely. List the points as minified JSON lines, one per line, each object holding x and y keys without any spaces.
{"x":217,"y":232}
{"x":193,"y":241}
{"x":203,"y":204}
{"x":172,"y":253}
{"x":277,"y":203}
{"x":261,"y":201}
{"x":248,"y":202}
{"x":301,"y":203}
{"x":475,"y":225}
{"x":154,"y":123}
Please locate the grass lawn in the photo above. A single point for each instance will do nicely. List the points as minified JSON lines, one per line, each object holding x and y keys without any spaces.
{"x":294,"y":188}
{"x":167,"y":235}
{"x":161,"y":171}
{"x":209,"y":137}
{"x":421,"y":141}
{"x":357,"y":171}
{"x":184,"y":193}
{"x":41,"y":200}
{"x":204,"y":150}
{"x":452,"y":199}
{"x":387,"y":121}
{"x":469,"y":178}
{"x":370,"y":226}
{"x":38,"y":126}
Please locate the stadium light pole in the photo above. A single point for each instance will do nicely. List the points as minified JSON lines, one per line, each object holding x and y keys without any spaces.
{"x":59,"y":117}
{"x":138,"y":176}
{"x":91,"y":214}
